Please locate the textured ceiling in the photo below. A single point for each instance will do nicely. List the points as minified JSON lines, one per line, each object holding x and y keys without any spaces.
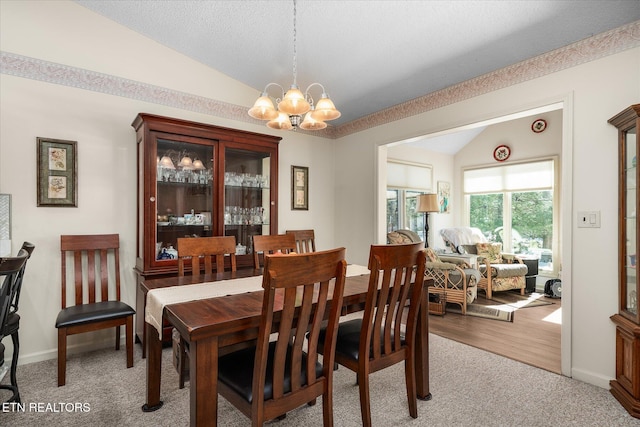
{"x":369,"y":55}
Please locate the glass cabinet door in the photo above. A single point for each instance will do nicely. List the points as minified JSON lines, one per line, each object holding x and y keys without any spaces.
{"x":247,"y":207}
{"x":630,"y":198}
{"x":184,"y":194}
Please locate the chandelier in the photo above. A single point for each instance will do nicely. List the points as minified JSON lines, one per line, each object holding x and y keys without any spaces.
{"x":293,"y":104}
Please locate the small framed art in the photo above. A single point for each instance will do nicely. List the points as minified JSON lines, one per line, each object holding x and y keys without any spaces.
{"x":57,"y":173}
{"x":300,"y":188}
{"x":444,"y":196}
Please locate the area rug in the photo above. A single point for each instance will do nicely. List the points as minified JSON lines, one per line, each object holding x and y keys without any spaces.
{"x":494,"y":312}
{"x":502,"y":306}
{"x":520,"y":301}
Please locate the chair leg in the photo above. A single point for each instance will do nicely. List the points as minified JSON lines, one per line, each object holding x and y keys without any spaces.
{"x":129,"y":341}
{"x":118,"y":337}
{"x":62,"y":356}
{"x":14,"y":366}
{"x":410,"y":379}
{"x":327,"y":408}
{"x":365,"y":406}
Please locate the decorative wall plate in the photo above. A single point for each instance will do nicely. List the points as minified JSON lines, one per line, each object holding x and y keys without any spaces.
{"x":539,"y":125}
{"x":501,"y":153}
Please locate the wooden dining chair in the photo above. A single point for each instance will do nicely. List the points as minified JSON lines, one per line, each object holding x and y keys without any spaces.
{"x":305,"y":240}
{"x":95,"y":263}
{"x":266,"y":381}
{"x":270,"y":244}
{"x":377,"y":340}
{"x":206,"y":249}
{"x":11,"y":273}
{"x":195,"y":250}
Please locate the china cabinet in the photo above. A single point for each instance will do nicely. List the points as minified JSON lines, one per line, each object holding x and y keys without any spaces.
{"x":626,"y":386}
{"x":198,"y":180}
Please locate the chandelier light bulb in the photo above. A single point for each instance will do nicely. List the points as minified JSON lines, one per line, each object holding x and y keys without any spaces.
{"x":325,"y":110}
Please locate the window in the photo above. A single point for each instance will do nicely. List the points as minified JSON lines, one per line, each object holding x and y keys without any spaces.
{"x":405,"y":181}
{"x":401,"y":211}
{"x":515,"y":205}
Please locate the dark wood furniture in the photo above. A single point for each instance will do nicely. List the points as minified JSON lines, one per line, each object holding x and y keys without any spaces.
{"x":196,"y":179}
{"x":11,"y":273}
{"x":212,"y":326}
{"x":274,"y":243}
{"x":377,"y":341}
{"x":145,"y":286}
{"x":278,"y":374}
{"x":206,"y":249}
{"x":305,"y":240}
{"x":626,"y":386}
{"x":101,"y":308}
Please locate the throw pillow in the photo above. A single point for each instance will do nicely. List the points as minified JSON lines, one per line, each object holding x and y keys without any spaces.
{"x":431,"y":255}
{"x":491,"y":251}
{"x":395,"y":238}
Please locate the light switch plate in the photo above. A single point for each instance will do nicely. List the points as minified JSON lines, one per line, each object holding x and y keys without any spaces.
{"x":589,"y":219}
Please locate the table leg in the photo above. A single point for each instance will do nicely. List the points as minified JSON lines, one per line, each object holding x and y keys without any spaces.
{"x":203,"y":381}
{"x":422,"y":349}
{"x":154,"y":369}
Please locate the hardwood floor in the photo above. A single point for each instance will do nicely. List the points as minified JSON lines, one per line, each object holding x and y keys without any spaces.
{"x":529,"y":338}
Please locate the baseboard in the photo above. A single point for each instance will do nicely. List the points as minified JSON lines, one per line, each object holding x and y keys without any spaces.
{"x":591,"y":378}
{"x":71,"y":349}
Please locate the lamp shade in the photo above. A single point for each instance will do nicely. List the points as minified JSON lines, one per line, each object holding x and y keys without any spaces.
{"x":309,"y":123}
{"x":294,"y":102}
{"x":280,"y":122}
{"x":263,"y":109}
{"x":325,"y":109}
{"x":428,"y":203}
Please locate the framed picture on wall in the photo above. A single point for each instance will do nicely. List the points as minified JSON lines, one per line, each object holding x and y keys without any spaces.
{"x":444,"y":196}
{"x":300,"y":188}
{"x":57,"y":173}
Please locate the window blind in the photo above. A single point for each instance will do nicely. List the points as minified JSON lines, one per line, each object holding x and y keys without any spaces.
{"x":409,"y":176}
{"x":518,"y":177}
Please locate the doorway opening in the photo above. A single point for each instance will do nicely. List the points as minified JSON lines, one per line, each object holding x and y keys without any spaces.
{"x":443,"y":146}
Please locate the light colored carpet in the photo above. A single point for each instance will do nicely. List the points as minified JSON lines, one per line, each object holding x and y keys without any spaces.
{"x":470,"y":387}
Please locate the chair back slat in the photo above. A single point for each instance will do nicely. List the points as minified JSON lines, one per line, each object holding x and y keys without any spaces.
{"x":305,"y":240}
{"x":197,"y":250}
{"x":394,"y":269}
{"x":303,"y":284}
{"x":271,"y":244}
{"x":94,"y":252}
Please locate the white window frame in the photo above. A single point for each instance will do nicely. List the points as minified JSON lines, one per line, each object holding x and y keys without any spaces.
{"x":555,"y":250}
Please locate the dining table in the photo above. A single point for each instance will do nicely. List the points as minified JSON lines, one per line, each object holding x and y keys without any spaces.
{"x":219,"y":313}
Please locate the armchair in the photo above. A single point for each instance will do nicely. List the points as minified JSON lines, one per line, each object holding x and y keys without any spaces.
{"x":452,"y":278}
{"x":499,"y":271}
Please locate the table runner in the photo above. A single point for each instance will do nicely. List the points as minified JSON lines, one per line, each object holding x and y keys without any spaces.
{"x":157,"y":299}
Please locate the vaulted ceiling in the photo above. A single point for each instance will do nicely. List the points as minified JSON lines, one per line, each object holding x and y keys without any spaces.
{"x":369,"y":55}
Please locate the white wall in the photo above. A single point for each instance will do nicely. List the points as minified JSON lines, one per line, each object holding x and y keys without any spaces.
{"x":592,"y":92}
{"x":66,"y":33}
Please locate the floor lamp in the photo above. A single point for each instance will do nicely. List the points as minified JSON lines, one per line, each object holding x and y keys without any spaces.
{"x":427,"y":203}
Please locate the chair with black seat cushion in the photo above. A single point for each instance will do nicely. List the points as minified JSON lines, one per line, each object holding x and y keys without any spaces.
{"x":305,"y":240}
{"x":197,"y":251}
{"x":266,"y":381}
{"x":379,"y":340}
{"x":11,"y":272}
{"x":91,"y":257}
{"x":271,"y":244}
